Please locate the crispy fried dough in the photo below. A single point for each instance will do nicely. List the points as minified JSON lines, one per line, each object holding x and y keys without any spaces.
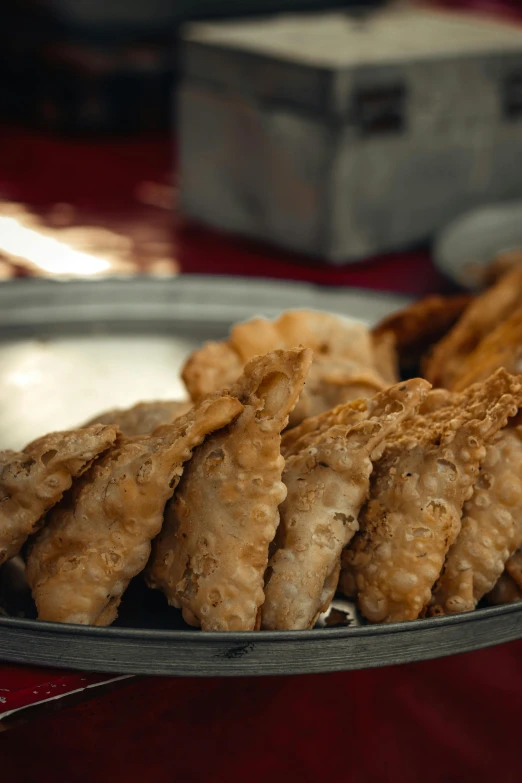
{"x":345,"y":365}
{"x":506,"y":591}
{"x":211,"y":556}
{"x":81,"y":563}
{"x":327,"y":481}
{"x":143,"y":418}
{"x":213,"y":366}
{"x":417,"y":491}
{"x":417,"y":327}
{"x":345,"y":359}
{"x":491,"y":528}
{"x":501,"y":348}
{"x":478,"y":320}
{"x":34,"y":480}
{"x":509,"y":586}
{"x":303,"y":435}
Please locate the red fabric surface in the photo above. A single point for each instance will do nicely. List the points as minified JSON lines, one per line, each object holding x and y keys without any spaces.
{"x":453,"y":719}
{"x":448,"y":720}
{"x":104,"y":183}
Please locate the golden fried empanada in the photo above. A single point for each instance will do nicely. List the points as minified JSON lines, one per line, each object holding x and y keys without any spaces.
{"x":143,"y":418}
{"x":417,"y":327}
{"x":212,"y":553}
{"x":80,"y":564}
{"x":34,"y":480}
{"x":213,"y":366}
{"x":480,"y":318}
{"x":327,"y":478}
{"x":501,"y":348}
{"x":506,"y":591}
{"x":417,"y":492}
{"x":345,"y":360}
{"x":345,"y":365}
{"x":491,"y":528}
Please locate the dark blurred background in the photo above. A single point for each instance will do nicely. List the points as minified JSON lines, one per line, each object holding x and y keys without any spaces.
{"x":92,"y":66}
{"x":271,"y":162}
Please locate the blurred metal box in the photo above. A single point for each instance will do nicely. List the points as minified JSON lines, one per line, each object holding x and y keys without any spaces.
{"x":343,"y":137}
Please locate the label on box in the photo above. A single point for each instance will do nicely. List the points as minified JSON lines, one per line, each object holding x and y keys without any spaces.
{"x":512,"y":95}
{"x":380,"y":109}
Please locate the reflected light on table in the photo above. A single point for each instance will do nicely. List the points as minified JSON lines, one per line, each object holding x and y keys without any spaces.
{"x":24,"y":378}
{"x":47,"y":253}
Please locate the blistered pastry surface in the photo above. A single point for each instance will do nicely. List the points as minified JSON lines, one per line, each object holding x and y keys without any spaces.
{"x":211,"y":556}
{"x":83,"y":559}
{"x":327,"y":478}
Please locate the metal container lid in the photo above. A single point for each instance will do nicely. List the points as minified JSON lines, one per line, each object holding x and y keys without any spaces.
{"x":310,"y":61}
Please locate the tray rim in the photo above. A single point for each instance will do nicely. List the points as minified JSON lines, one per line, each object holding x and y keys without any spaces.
{"x":216,"y":283}
{"x":203,"y":637}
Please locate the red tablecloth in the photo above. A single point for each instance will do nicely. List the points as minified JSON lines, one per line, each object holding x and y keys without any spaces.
{"x":453,"y":719}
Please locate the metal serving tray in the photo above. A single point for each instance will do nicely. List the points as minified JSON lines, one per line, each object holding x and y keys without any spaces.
{"x":70,"y":349}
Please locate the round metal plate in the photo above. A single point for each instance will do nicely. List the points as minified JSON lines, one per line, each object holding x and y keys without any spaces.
{"x":69,"y":349}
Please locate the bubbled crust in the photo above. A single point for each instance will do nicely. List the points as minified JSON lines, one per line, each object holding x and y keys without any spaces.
{"x":298,"y":438}
{"x":479,"y":319}
{"x":346,"y":362}
{"x":211,"y":556}
{"x":506,"y":591}
{"x":327,"y":481}
{"x":417,"y":492}
{"x":491,"y":528}
{"x":34,"y":480}
{"x":143,"y":418}
{"x":82,"y":561}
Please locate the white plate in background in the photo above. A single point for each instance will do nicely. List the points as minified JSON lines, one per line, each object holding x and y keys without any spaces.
{"x":467,"y":245}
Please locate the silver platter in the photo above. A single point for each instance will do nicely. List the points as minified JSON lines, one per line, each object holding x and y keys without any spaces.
{"x":70,"y":349}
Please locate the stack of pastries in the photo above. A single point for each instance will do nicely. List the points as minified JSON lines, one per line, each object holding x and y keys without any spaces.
{"x":301,"y":466}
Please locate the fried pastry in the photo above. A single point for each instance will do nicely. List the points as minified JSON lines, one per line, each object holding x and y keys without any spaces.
{"x":327,"y":479}
{"x":213,"y":366}
{"x":506,"y":591}
{"x":34,"y":480}
{"x":501,"y":348}
{"x":345,"y":361}
{"x":417,"y":492}
{"x":344,"y":367}
{"x":143,"y":418}
{"x":419,"y":326}
{"x":478,"y":320}
{"x":212,"y":553}
{"x":491,"y":528}
{"x":80,"y":564}
{"x":305,"y":433}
